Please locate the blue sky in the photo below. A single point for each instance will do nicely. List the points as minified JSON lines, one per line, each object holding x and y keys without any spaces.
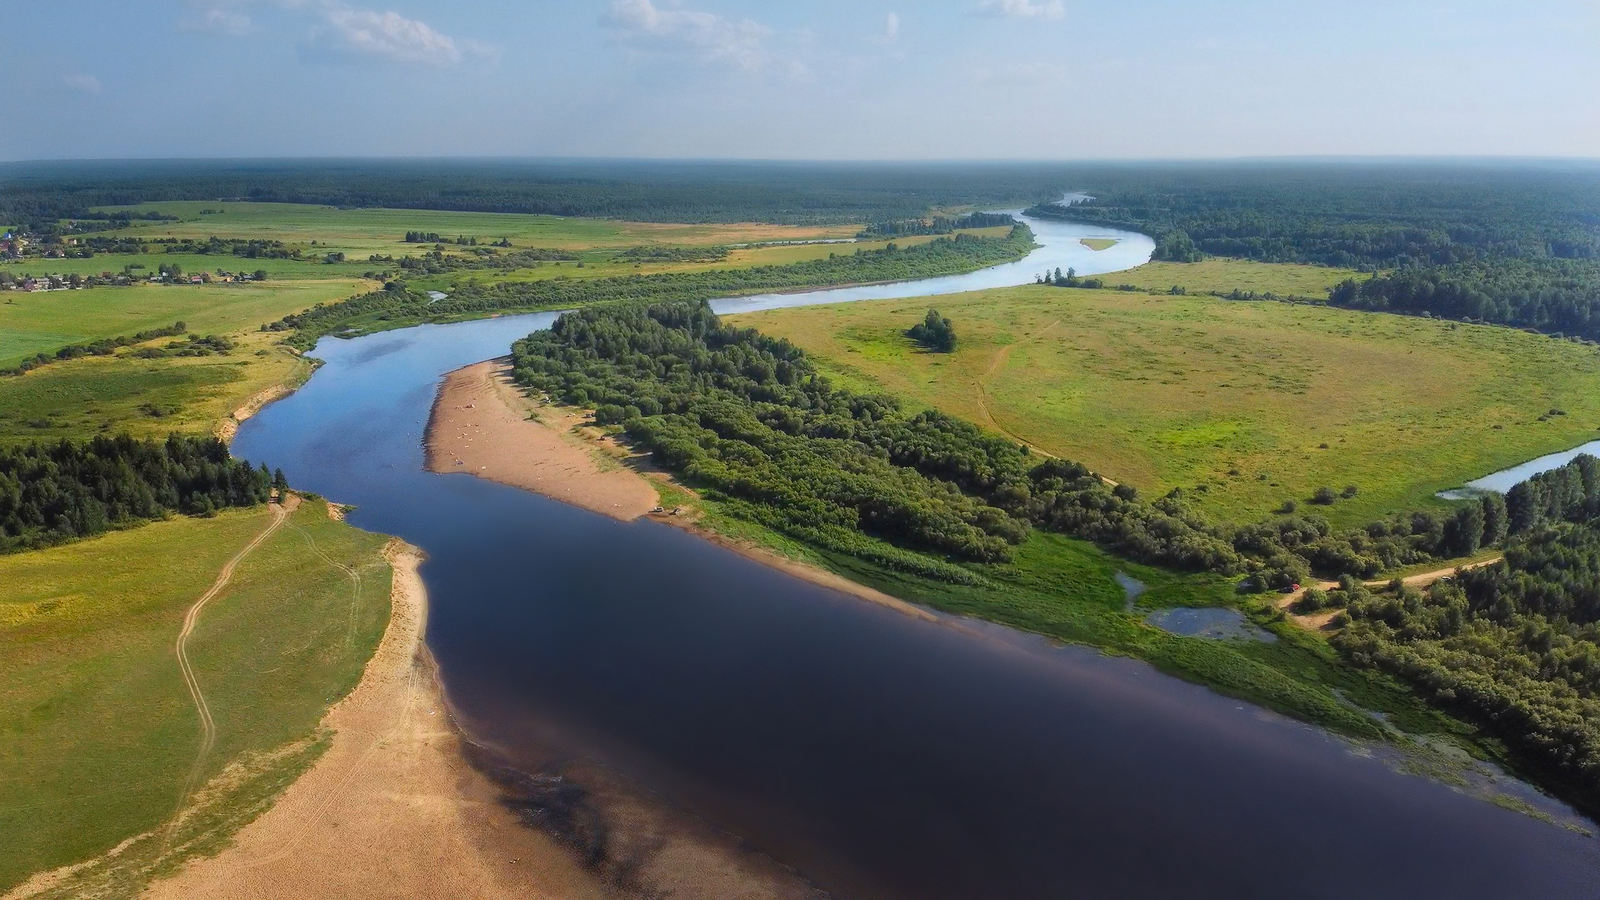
{"x":826,"y":79}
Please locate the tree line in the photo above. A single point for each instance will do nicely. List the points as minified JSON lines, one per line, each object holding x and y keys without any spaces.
{"x":52,"y":493}
{"x":396,"y":305}
{"x":751,"y":418}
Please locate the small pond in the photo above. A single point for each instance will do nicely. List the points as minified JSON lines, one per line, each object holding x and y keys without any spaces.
{"x":1213,"y":623}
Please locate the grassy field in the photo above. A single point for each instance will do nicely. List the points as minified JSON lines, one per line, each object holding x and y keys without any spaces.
{"x":190,"y":263}
{"x":1253,"y":404}
{"x":91,"y":395}
{"x":1098,"y":244}
{"x":604,"y":264}
{"x":1226,"y":275}
{"x":99,"y":730}
{"x":44,"y":321}
{"x":364,"y":232}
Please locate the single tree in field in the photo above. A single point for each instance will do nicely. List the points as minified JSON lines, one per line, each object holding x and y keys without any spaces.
{"x":934,"y":332}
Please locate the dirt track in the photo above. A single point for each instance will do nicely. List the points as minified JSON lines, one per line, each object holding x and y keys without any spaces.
{"x":1320,"y":620}
{"x":208,"y":726}
{"x":391,"y":809}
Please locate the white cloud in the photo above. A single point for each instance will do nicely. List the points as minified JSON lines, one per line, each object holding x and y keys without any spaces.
{"x":891,"y":27}
{"x":707,"y":37}
{"x":346,"y":33}
{"x":80,"y":82}
{"x":351,"y":32}
{"x":1021,"y":9}
{"x":218,"y":16}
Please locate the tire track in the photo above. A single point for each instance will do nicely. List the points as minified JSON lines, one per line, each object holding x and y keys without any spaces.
{"x":191,"y":619}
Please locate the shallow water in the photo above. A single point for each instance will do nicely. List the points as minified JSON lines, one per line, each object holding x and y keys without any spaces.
{"x":881,"y":755}
{"x":1211,"y":622}
{"x":1506,"y":479}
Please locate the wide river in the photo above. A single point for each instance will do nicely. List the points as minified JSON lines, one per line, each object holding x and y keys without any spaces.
{"x":880,"y":755}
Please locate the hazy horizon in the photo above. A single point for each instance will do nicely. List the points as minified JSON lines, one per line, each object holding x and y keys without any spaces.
{"x":825,"y":81}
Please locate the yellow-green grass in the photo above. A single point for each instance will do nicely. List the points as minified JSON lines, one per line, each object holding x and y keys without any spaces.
{"x":604,"y":264}
{"x":1220,"y":275}
{"x":1261,"y":402}
{"x":364,"y":232}
{"x":100,"y":732}
{"x":44,"y":321}
{"x":147,"y":397}
{"x":1098,"y":244}
{"x":190,"y":263}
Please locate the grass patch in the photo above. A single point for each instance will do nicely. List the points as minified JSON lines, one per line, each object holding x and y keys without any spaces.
{"x":99,"y":731}
{"x":93,"y":395}
{"x":1098,"y":244}
{"x":363,"y":232}
{"x":1222,"y":276}
{"x":1261,"y":403}
{"x":48,"y":320}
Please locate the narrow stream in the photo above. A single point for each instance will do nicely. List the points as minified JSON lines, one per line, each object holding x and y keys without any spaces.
{"x":879,"y":755}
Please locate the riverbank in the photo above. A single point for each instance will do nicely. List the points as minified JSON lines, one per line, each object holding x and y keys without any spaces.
{"x":482,"y":424}
{"x":392,"y":808}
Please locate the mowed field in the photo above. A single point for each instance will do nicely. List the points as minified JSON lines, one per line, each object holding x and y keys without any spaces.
{"x":100,"y":732}
{"x":44,"y":321}
{"x":1248,"y":404}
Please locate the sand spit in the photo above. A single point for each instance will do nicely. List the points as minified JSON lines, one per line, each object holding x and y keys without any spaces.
{"x":481,"y":425}
{"x":392,"y":809}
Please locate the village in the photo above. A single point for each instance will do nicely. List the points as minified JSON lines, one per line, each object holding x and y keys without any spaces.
{"x":16,"y":246}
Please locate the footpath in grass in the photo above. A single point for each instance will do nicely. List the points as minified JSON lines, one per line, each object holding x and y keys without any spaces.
{"x":100,"y":731}
{"x":1251,"y":405}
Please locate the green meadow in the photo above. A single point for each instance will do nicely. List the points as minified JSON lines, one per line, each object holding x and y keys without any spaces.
{"x":100,"y":732}
{"x":1247,"y":404}
{"x":363,"y":232}
{"x":44,"y":321}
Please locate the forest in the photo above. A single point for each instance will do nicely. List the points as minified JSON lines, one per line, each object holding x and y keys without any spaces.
{"x":941,"y":256}
{"x":1510,"y":245}
{"x":1514,"y":646}
{"x":52,"y":493}
{"x":750,"y":418}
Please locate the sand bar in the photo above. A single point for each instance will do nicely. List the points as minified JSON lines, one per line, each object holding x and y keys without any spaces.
{"x":482,"y":424}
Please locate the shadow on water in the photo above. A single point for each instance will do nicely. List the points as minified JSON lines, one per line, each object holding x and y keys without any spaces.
{"x":613,"y":670}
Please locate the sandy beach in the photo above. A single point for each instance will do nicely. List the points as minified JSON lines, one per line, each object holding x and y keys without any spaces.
{"x":392,"y":809}
{"x":482,"y":424}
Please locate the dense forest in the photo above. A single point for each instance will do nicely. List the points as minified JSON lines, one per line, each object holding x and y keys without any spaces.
{"x":750,"y":418}
{"x":1511,"y":245}
{"x":51,"y":493}
{"x":942,"y":256}
{"x":936,"y":225}
{"x":37,"y":195}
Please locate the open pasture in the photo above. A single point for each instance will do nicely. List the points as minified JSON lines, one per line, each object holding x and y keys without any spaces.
{"x":147,"y":397}
{"x":363,"y":232}
{"x":1218,"y":275}
{"x":101,"y":732}
{"x":604,"y":264}
{"x":43,"y":321}
{"x":1247,"y":405}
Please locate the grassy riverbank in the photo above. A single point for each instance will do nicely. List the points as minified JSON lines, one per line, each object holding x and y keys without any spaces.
{"x":103,"y":733}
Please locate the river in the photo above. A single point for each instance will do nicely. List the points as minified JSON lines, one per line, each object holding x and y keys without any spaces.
{"x":881,"y":756}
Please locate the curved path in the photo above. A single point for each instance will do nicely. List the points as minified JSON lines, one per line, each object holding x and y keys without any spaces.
{"x":1423,"y":579}
{"x":208,"y":726}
